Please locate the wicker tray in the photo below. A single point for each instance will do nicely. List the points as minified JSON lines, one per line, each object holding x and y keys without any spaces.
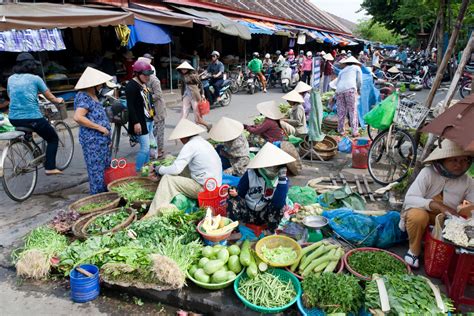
{"x":79,"y":224}
{"x":113,"y":197}
{"x":145,"y":183}
{"x":131,"y":218}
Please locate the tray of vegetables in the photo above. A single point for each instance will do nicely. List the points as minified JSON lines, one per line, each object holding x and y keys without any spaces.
{"x":97,"y":202}
{"x":137,"y":191}
{"x":278,"y":250}
{"x":272,"y":291}
{"x":365,"y":262}
{"x":407,"y":295}
{"x":318,"y":258}
{"x":331,"y":293}
{"x":217,"y":267}
{"x":109,"y":221}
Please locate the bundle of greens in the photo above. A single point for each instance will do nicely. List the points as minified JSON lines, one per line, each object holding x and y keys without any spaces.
{"x":91,"y":206}
{"x":133,"y":192}
{"x":408,"y":295}
{"x":105,"y":223}
{"x":34,"y":259}
{"x":368,"y":263}
{"x":165,"y":162}
{"x":284,"y":108}
{"x":258,"y":119}
{"x":333,"y":293}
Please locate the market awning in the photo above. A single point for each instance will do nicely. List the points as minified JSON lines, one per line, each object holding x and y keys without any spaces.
{"x":31,"y":40}
{"x":160,"y":17}
{"x":148,"y":33}
{"x":256,"y":29}
{"x":221,"y":23}
{"x":23,"y":16}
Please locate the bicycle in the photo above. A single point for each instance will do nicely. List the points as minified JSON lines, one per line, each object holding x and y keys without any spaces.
{"x":23,"y":155}
{"x":393,"y":151}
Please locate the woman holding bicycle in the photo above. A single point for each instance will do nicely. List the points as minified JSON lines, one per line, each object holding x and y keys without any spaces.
{"x":23,"y":88}
{"x":94,"y":132}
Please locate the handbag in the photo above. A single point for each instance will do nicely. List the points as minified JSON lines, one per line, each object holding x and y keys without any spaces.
{"x":204,"y":107}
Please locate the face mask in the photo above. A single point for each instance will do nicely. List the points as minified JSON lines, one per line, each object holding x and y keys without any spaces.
{"x":271,"y":172}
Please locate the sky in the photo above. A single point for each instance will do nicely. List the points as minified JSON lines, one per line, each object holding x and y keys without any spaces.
{"x":344,"y":8}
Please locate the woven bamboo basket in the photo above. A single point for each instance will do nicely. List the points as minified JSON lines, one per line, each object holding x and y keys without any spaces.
{"x":112,"y":198}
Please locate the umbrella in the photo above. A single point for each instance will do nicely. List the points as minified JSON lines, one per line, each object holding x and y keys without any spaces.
{"x":456,"y":124}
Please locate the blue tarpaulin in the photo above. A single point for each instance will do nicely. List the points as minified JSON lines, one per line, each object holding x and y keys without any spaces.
{"x":148,"y":33}
{"x":256,"y":29}
{"x":369,"y":95}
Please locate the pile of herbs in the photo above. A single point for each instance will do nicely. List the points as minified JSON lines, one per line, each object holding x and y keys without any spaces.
{"x":368,"y":263}
{"x":333,"y":293}
{"x":106,"y":222}
{"x":133,"y":192}
{"x":91,"y":206}
{"x":343,"y":197}
{"x":408,"y":295}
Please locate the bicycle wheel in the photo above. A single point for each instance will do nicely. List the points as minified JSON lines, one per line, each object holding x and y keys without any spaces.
{"x":19,"y":177}
{"x":465,"y":89}
{"x":372,"y":132}
{"x":65,"y":146}
{"x":391,"y":155}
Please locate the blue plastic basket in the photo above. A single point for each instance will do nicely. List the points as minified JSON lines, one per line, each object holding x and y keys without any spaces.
{"x":83,"y":288}
{"x":319,"y":312}
{"x":284,"y":276}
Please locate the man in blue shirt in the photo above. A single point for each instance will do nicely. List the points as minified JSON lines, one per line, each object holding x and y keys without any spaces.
{"x":402,"y":55}
{"x":216,"y":70}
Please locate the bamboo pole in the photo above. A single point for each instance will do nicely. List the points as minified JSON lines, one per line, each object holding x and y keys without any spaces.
{"x":441,"y":15}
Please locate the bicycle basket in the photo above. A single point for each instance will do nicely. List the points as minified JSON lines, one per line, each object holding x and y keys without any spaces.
{"x":410,"y":114}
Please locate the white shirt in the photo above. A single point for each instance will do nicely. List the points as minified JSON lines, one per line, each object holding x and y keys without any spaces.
{"x":349,"y":78}
{"x":200,"y":157}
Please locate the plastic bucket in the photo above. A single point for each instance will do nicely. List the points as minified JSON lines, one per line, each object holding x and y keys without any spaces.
{"x":84,"y":288}
{"x":360,"y":153}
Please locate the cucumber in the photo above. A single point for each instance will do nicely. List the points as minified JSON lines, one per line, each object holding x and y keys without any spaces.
{"x":245,"y":256}
{"x":223,"y":255}
{"x":234,"y":250}
{"x":207,"y":251}
{"x":213,"y":266}
{"x":219,"y":277}
{"x":231,"y":275}
{"x":252,"y":270}
{"x":193,"y":269}
{"x":202,"y":262}
{"x":201,"y":276}
{"x":234,"y":264}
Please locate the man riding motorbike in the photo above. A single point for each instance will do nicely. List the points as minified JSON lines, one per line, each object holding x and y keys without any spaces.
{"x":216,"y":71}
{"x":256,"y":66}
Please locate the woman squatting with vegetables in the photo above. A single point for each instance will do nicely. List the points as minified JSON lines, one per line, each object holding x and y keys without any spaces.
{"x":198,"y":156}
{"x":439,"y":188}
{"x":296,"y":123}
{"x":234,"y":150}
{"x":94,"y":131}
{"x":261,"y":194}
{"x":270,"y":129}
{"x":305,"y":91}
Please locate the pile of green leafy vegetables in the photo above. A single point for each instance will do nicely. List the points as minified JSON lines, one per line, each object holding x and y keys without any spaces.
{"x":133,"y":192}
{"x":106,"y":222}
{"x":343,"y":197}
{"x":333,"y":293}
{"x":91,"y":206}
{"x":408,"y":295}
{"x":368,"y":263}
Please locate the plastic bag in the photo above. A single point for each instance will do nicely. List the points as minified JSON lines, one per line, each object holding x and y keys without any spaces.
{"x":302,"y":195}
{"x":5,"y":125}
{"x":184,"y":203}
{"x":295,"y":140}
{"x":381,"y":116}
{"x":345,"y":145}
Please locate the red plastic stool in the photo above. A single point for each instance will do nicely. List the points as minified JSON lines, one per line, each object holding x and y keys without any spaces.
{"x":257,"y":229}
{"x":457,"y":277}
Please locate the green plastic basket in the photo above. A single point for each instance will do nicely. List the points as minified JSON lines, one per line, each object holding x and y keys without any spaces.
{"x":282,"y":275}
{"x":211,"y":286}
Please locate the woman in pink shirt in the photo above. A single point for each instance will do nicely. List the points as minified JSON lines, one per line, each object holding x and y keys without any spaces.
{"x":307,"y":67}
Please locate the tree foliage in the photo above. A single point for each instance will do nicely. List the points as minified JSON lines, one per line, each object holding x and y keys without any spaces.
{"x":376,"y":32}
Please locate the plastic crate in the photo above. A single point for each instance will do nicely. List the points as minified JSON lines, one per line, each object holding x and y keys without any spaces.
{"x":437,"y":257}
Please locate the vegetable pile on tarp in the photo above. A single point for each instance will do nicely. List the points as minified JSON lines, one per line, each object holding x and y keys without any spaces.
{"x":318,"y":258}
{"x":34,"y":259}
{"x":333,"y":293}
{"x":368,"y":263}
{"x":343,"y":197}
{"x":302,"y":195}
{"x":133,"y":191}
{"x":408,"y":295}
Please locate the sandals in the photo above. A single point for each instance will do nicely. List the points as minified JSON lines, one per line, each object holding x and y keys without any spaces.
{"x":53,"y":172}
{"x":412,"y":260}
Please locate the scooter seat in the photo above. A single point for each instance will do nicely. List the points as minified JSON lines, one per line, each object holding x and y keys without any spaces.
{"x":24,"y":129}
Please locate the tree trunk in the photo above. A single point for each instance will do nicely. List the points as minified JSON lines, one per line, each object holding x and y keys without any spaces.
{"x":442,"y":19}
{"x":438,"y":78}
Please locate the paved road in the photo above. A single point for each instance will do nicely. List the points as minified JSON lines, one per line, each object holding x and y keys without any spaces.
{"x":53,"y":193}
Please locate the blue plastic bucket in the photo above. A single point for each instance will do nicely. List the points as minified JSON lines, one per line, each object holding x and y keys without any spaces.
{"x":83,"y":288}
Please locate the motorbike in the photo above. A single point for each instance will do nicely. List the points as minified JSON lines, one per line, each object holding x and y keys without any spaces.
{"x":271,"y":77}
{"x":224,"y":94}
{"x":289,"y":76}
{"x":236,"y":78}
{"x":465,"y":84}
{"x":252,"y":82}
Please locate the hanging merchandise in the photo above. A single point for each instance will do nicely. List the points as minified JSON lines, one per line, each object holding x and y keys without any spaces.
{"x":301,"y":39}
{"x":31,"y":40}
{"x":291,"y":43}
{"x":316,"y":72}
{"x":123,"y":34}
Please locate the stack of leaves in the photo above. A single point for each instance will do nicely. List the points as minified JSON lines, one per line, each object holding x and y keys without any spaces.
{"x":35,"y":258}
{"x":368,"y":263}
{"x":333,"y":293}
{"x":408,"y":295}
{"x":106,"y":222}
{"x":343,"y":197}
{"x":133,"y":192}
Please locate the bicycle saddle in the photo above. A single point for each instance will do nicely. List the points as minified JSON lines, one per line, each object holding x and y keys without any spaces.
{"x":24,"y":129}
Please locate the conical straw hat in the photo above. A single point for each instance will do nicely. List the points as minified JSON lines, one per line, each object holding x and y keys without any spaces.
{"x":350,"y":60}
{"x":186,"y":128}
{"x":226,"y":129}
{"x":376,"y":64}
{"x":394,"y":70}
{"x":293,"y":96}
{"x":328,"y":57}
{"x":270,"y":109}
{"x":302,"y":87}
{"x":92,"y":77}
{"x":448,"y":149}
{"x":270,"y":155}
{"x":185,"y":65}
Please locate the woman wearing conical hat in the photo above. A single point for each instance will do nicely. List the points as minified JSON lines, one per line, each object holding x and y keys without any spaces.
{"x":270,"y":129}
{"x":234,"y":150}
{"x":260,"y":196}
{"x":440,"y":187}
{"x":296,"y":123}
{"x":94,"y":130}
{"x":305,"y":91}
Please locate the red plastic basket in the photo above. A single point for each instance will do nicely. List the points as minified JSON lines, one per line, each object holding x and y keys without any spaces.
{"x":119,"y":169}
{"x":214,"y":197}
{"x":437,"y":257}
{"x":360,"y":154}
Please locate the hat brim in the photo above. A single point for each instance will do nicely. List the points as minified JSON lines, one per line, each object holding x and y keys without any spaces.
{"x":148,"y":72}
{"x":226,"y":130}
{"x":270,"y":110}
